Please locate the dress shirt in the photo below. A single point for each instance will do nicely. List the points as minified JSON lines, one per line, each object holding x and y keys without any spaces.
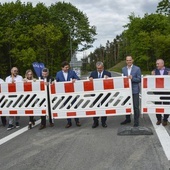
{"x":129,"y":69}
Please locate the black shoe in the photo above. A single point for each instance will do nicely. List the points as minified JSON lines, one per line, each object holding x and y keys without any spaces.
{"x":104,"y":125}
{"x":78,"y":124}
{"x":51,"y":124}
{"x":95,"y":125}
{"x":10,"y":126}
{"x":68,"y":125}
{"x":42,"y":127}
{"x":30,"y":125}
{"x":17,"y":125}
{"x":164,"y":123}
{"x":125,"y":122}
{"x":33,"y":122}
{"x":136,"y":125}
{"x":158,"y":122}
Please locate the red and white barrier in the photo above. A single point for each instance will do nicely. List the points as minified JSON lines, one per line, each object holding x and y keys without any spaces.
{"x":23,"y":99}
{"x":155,"y":94}
{"x":84,"y":98}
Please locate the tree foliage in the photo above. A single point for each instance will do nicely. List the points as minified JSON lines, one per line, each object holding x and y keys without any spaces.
{"x":146,"y":38}
{"x":163,"y":7}
{"x":42,"y":34}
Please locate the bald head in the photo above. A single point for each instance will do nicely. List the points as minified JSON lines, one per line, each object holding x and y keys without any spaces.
{"x":159,"y":64}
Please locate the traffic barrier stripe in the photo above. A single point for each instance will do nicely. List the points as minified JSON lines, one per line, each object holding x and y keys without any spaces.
{"x":156,"y":82}
{"x":96,"y":84}
{"x":23,"y":99}
{"x":99,"y":97}
{"x":23,"y":112}
{"x":155,"y":110}
{"x":155,"y":94}
{"x":92,"y":113}
{"x":22,"y":87}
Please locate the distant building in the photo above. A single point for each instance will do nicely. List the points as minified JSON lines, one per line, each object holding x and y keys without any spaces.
{"x":76,"y":65}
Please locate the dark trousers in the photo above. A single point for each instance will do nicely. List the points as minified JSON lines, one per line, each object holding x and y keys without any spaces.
{"x":159,"y":117}
{"x":76,"y":120}
{"x":103,"y":119}
{"x":135,"y":108}
{"x":3,"y":119}
{"x":31,"y":119}
{"x":43,"y":120}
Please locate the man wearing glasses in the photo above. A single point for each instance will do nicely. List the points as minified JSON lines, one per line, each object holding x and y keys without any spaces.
{"x":14,"y":77}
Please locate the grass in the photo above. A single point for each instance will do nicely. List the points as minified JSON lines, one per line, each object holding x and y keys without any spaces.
{"x":118,"y":68}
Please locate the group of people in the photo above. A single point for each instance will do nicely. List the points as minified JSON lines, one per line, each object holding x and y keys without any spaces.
{"x":132,"y":71}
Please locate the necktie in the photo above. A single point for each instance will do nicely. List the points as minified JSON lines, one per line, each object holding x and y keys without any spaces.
{"x":100,"y":76}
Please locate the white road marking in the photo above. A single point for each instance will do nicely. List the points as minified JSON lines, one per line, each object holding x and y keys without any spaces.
{"x":17,"y":133}
{"x":162,"y":134}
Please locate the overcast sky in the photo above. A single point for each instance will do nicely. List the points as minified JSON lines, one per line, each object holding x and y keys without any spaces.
{"x":108,"y":16}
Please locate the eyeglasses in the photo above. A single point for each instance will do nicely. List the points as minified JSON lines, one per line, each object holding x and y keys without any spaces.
{"x":15,"y":70}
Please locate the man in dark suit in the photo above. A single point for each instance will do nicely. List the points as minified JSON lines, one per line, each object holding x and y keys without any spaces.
{"x":161,"y":70}
{"x":134,"y":74}
{"x":48,"y":79}
{"x":99,"y":73}
{"x":66,"y":75}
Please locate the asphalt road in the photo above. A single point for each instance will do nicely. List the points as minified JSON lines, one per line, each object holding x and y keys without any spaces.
{"x":81,"y":148}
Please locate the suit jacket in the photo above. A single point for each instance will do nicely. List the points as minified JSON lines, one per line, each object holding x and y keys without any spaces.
{"x":49,"y":79}
{"x":71,"y":75}
{"x":157,"y":72}
{"x":94,"y":74}
{"x":136,"y":77}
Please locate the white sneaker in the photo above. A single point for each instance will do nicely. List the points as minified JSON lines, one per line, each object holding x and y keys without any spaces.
{"x":10,"y":127}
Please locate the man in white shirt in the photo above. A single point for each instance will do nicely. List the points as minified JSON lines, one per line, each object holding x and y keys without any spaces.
{"x":14,"y":77}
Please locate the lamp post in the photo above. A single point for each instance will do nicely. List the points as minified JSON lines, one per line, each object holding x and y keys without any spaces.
{"x":71,"y":51}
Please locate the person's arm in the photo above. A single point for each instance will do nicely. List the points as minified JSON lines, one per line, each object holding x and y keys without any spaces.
{"x":57,"y":77}
{"x":91,"y":76}
{"x":123,"y":71}
{"x":168,"y":70}
{"x":137,"y":78}
{"x":109,"y":74}
{"x":75,"y":76}
{"x":153,"y":72}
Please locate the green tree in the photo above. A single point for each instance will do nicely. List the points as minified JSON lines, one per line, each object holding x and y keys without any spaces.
{"x":40,"y":33}
{"x":163,"y":7}
{"x":142,"y":40}
{"x":75,"y":27}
